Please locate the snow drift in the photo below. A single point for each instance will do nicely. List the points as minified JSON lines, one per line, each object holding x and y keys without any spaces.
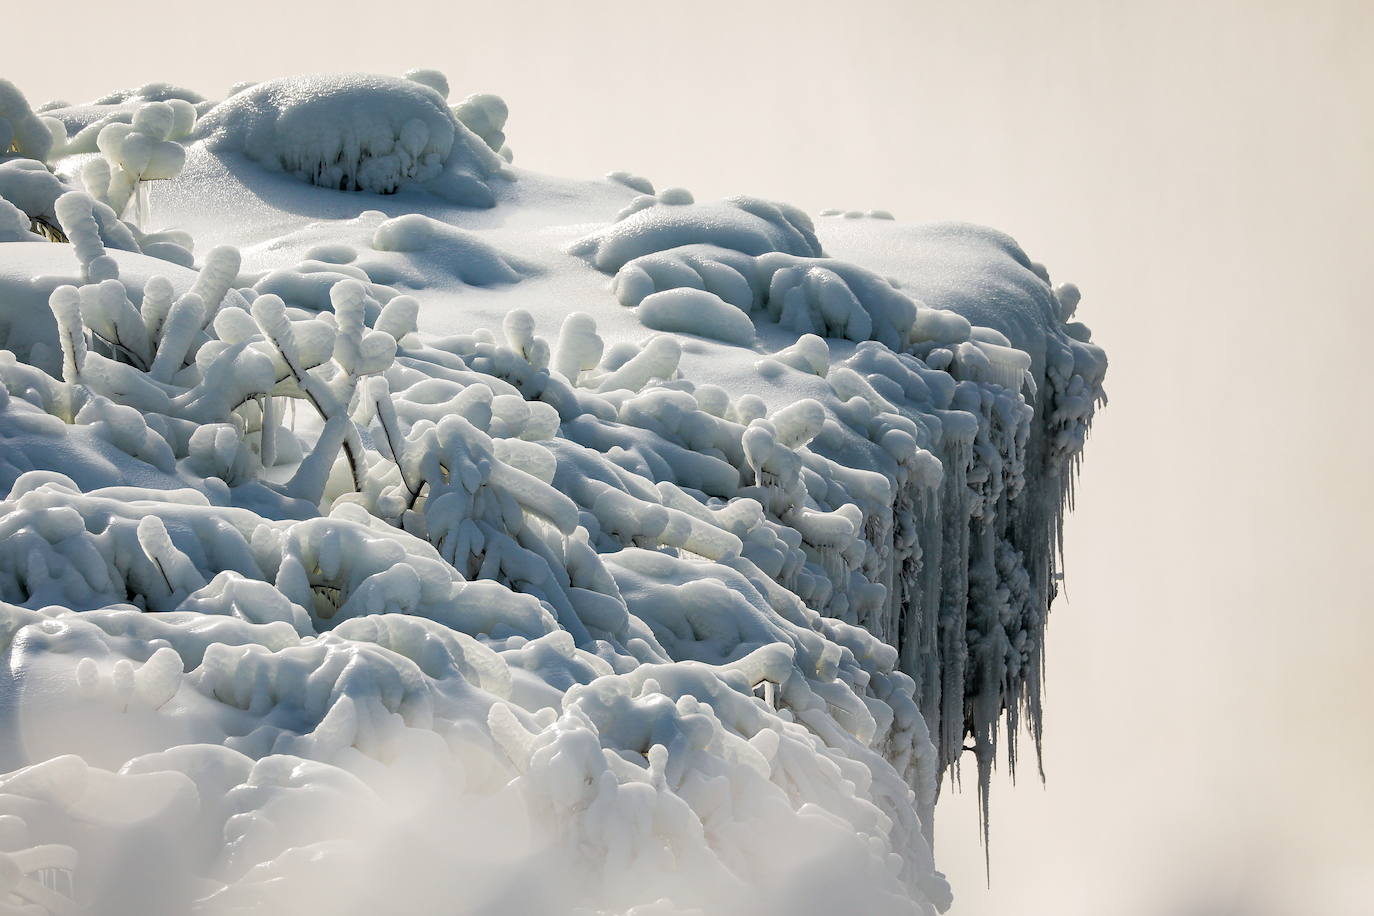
{"x":379,"y":553}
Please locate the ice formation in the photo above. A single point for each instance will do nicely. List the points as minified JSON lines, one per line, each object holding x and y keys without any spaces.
{"x":617,"y":554}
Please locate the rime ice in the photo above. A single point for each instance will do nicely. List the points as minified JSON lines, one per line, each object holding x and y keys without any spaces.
{"x":482,"y":536}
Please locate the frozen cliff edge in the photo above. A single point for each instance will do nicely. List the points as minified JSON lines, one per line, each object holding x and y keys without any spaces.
{"x":383,"y":555}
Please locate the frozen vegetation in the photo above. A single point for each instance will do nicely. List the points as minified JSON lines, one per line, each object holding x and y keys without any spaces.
{"x":387,"y":528}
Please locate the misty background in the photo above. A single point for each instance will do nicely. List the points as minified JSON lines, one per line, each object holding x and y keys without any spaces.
{"x":1204,"y":171}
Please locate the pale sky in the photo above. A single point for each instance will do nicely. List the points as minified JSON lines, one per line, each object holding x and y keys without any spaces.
{"x":1204,"y":171}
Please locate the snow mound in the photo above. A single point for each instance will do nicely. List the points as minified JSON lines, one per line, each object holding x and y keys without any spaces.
{"x":745,"y":224}
{"x":808,"y":295}
{"x":466,"y":256}
{"x":693,"y":311}
{"x":355,"y":133}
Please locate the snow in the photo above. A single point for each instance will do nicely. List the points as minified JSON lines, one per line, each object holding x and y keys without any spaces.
{"x":406,"y":530}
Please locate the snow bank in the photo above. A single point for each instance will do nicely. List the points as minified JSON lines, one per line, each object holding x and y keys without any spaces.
{"x":370,"y":607}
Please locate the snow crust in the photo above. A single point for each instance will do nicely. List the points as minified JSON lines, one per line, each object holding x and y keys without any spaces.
{"x":408,"y":531}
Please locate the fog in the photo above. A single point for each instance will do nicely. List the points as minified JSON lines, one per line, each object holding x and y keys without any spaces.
{"x":1205,"y":173}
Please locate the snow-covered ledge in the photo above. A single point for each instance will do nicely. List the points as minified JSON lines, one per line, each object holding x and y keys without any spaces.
{"x":390,"y":524}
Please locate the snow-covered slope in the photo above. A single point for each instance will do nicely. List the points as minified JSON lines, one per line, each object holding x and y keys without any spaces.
{"x":389,"y":528}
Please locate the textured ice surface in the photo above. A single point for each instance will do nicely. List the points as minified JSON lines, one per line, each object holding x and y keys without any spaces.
{"x":433,"y":535}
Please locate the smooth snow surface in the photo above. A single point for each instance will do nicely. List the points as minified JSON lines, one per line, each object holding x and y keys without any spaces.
{"x":391,"y":529}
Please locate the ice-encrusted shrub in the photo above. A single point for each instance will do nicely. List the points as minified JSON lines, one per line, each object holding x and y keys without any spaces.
{"x":29,"y":186}
{"x":21,"y":131}
{"x":172,"y":550}
{"x":15,"y":225}
{"x":485,"y":115}
{"x":142,"y":151}
{"x":684,"y":753}
{"x":662,"y":771}
{"x":807,"y":294}
{"x":87,"y":550}
{"x":146,"y":149}
{"x":76,"y":128}
{"x":745,"y":224}
{"x":482,"y":113}
{"x":356,"y":133}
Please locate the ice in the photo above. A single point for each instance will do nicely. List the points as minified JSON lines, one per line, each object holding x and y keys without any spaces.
{"x":570,"y":546}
